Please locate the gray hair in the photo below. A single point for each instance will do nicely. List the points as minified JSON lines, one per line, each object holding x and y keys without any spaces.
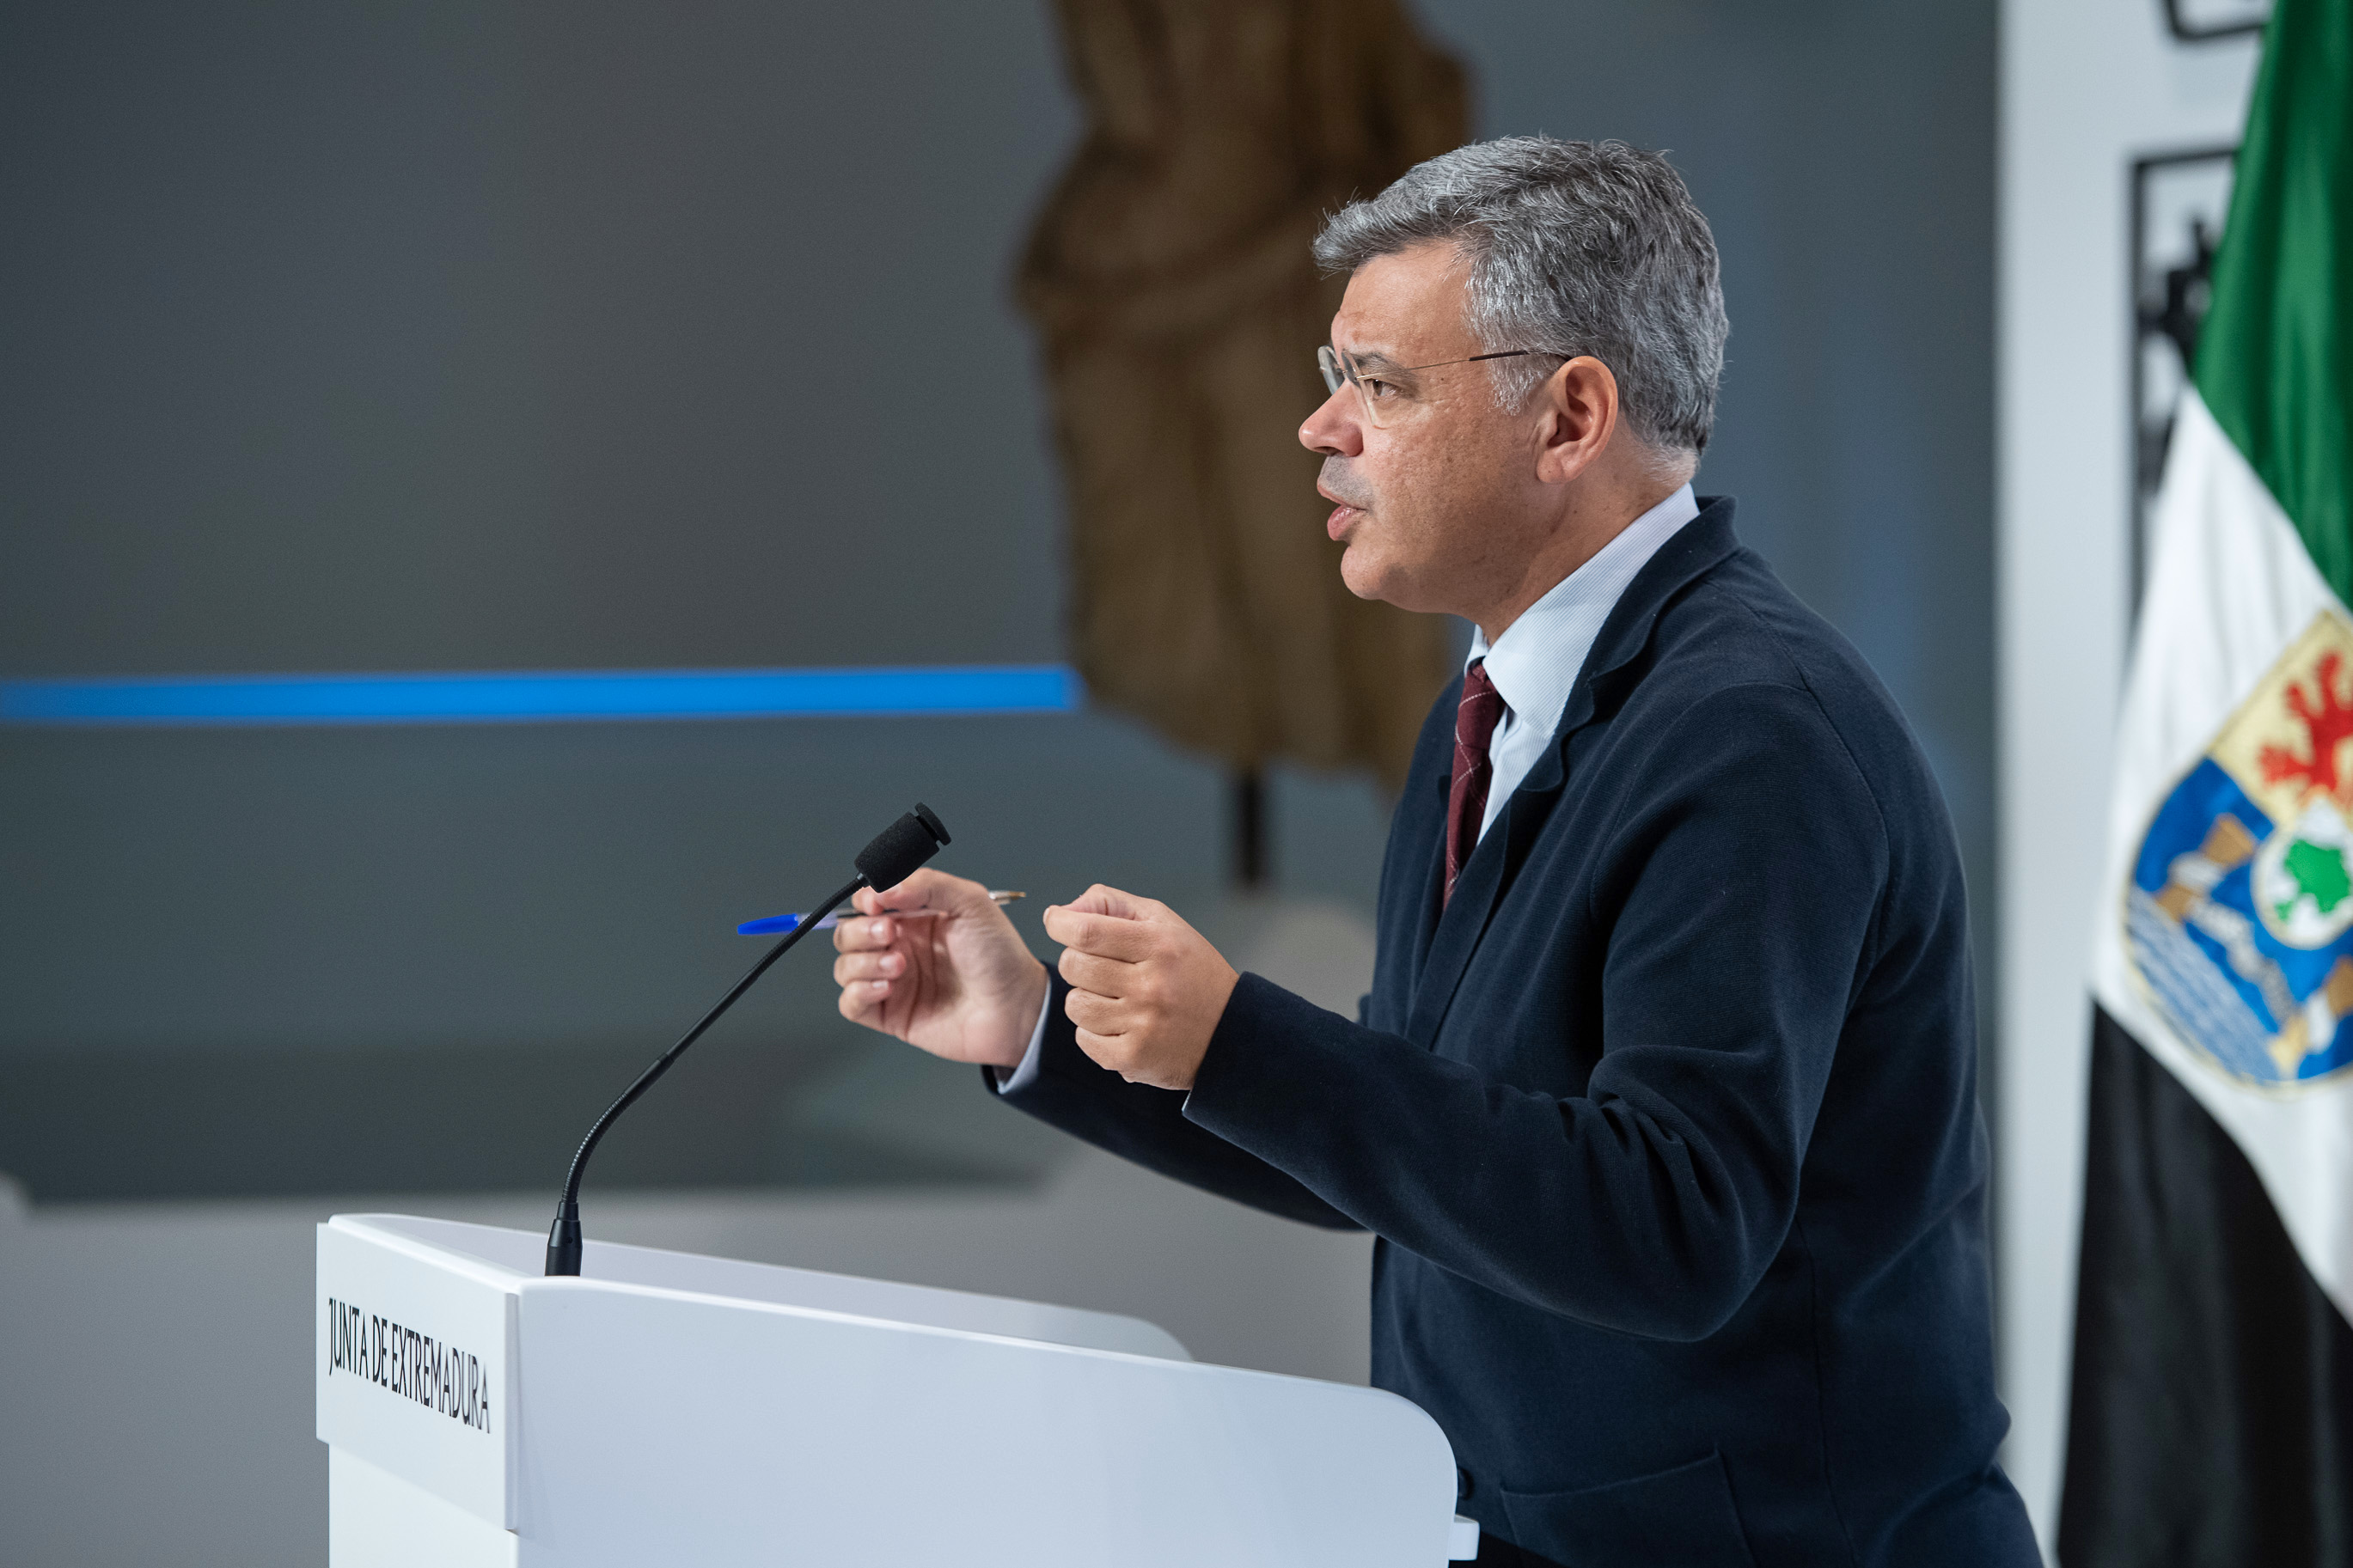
{"x":1575,"y":247}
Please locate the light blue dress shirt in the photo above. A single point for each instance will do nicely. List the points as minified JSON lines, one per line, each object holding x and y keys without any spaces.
{"x":1535,"y":662}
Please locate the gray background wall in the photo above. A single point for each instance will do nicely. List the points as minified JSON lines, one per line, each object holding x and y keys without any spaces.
{"x":588,"y":336}
{"x":536,"y":336}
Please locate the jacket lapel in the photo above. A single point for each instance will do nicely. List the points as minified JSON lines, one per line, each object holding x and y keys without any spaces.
{"x":1446,"y":941}
{"x":1427,"y":802}
{"x":1486,"y":877}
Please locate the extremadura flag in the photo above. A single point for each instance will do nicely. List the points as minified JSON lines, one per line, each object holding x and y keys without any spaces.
{"x":2213,"y":1412}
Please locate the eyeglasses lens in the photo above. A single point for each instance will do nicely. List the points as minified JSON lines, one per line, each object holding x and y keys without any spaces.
{"x":1336,"y":375}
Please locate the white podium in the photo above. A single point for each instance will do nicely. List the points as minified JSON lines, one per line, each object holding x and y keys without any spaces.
{"x":666,"y":1408}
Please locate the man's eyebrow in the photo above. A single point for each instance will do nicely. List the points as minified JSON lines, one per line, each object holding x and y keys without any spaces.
{"x":1371,"y":359}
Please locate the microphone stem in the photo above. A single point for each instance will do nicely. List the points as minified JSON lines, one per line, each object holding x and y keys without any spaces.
{"x":564,"y":1239}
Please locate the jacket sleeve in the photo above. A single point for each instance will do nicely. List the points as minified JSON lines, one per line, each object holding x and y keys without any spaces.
{"x":1739,"y":894}
{"x":1148,"y":1126}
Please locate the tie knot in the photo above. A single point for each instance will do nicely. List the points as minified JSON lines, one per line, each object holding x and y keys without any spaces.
{"x":1481,"y":710}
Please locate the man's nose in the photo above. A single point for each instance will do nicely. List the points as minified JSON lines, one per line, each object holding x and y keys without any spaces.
{"x":1332,"y":431}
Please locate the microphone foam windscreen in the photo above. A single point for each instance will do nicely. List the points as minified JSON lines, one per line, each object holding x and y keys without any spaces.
{"x":900,"y":849}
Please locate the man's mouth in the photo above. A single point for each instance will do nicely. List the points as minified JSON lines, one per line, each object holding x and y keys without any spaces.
{"x":1345,"y":509}
{"x":1345,"y":512}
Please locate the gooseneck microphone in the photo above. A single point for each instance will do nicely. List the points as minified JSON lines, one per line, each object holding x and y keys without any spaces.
{"x":897,"y":852}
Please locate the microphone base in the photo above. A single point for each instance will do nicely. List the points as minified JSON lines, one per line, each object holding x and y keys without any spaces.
{"x":563,"y":1244}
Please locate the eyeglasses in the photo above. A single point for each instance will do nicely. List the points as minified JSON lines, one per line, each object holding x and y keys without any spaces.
{"x":1382,"y":398}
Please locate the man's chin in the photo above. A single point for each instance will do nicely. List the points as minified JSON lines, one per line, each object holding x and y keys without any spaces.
{"x":1369,"y":576}
{"x":1365,"y":575}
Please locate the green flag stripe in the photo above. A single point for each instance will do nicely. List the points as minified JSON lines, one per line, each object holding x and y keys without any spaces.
{"x":2275,"y":354}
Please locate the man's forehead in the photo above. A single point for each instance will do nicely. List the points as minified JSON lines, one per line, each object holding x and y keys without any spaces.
{"x":1403,"y":304}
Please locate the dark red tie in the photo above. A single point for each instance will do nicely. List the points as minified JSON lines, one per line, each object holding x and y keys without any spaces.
{"x":1475,"y":717}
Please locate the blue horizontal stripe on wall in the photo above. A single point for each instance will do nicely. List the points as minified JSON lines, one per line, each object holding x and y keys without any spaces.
{"x":506,"y":696}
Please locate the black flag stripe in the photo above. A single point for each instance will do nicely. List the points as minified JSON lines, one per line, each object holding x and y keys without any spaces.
{"x":2212,"y":1419}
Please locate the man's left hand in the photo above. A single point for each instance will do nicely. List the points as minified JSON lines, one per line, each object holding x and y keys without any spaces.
{"x":1147,"y":989}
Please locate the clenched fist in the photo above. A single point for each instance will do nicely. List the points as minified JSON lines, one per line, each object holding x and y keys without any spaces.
{"x":1147,"y":990}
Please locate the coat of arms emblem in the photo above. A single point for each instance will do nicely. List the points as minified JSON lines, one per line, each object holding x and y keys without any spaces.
{"x":2238,"y":918}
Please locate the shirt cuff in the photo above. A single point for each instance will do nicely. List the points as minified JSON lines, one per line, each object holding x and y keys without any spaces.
{"x":1023,"y":1076}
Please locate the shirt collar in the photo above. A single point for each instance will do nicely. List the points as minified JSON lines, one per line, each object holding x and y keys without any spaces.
{"x":1535,"y":663}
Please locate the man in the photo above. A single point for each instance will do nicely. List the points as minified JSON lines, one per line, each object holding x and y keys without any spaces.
{"x":1663,"y":1106}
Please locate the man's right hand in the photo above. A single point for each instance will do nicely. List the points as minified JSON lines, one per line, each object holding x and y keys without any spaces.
{"x":960,"y":984}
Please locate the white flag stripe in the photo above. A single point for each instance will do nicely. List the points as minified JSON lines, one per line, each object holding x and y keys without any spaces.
{"x":2230,"y":585}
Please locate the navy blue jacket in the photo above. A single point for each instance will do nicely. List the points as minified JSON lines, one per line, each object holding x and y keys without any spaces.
{"x":1667,"y":1124}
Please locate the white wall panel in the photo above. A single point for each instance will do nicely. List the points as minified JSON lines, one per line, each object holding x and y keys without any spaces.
{"x":2086,"y":86}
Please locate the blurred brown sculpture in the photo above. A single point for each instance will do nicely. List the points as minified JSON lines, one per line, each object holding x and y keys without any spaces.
{"x":1170,"y":282}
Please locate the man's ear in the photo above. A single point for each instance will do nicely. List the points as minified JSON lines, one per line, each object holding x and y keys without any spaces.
{"x":1579,"y":409}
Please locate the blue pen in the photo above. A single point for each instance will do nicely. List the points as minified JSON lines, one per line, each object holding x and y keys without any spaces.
{"x":777,"y":924}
